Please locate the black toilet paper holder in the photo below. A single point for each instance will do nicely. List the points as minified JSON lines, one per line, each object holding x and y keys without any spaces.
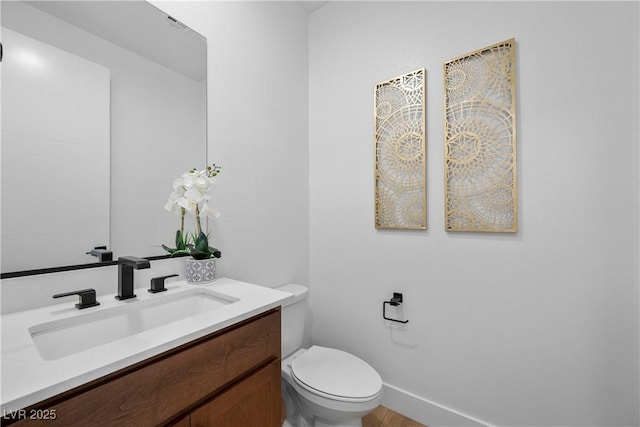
{"x":395,"y":301}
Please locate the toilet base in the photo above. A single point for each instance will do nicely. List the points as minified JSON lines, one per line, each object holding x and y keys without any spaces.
{"x":324,"y":423}
{"x":327,"y":423}
{"x":299,"y":415}
{"x":319,"y":422}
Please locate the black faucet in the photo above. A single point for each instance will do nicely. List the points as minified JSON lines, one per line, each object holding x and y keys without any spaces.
{"x":101,"y":253}
{"x":126,"y":264}
{"x":157,"y":284}
{"x":87,"y":298}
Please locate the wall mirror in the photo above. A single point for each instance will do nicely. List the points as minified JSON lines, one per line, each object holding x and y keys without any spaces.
{"x":103,"y":106}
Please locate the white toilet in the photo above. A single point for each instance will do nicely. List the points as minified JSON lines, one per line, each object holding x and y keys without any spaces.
{"x":322,"y":386}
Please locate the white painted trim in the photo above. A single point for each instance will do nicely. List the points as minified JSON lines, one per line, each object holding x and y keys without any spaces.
{"x":425,"y":411}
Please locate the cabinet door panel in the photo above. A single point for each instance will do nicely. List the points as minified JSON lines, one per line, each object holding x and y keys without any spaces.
{"x":253,"y":402}
{"x":182,"y":422}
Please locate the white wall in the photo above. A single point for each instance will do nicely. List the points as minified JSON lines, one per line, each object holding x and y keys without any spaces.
{"x":257,"y":131}
{"x":534,"y":328}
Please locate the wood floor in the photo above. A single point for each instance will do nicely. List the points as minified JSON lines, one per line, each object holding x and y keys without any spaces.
{"x":380,"y":417}
{"x":385,"y":417}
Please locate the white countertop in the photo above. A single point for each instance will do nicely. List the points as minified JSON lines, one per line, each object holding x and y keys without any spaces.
{"x":27,"y":378}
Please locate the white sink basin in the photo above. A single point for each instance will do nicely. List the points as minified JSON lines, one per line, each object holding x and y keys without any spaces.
{"x":64,"y":337}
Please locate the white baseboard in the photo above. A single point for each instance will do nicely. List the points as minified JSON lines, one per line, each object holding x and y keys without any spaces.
{"x":425,"y":411}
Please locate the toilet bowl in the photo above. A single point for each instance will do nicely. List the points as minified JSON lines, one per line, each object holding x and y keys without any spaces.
{"x":322,"y":386}
{"x":329,"y":387}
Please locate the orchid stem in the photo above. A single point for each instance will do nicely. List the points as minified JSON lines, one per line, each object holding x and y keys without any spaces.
{"x":182,"y":212}
{"x":198,"y":226}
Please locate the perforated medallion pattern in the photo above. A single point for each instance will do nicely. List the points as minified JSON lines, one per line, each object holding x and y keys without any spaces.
{"x":400,"y":184}
{"x":480,"y":141}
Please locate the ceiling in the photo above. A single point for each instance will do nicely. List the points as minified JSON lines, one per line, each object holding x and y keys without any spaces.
{"x":312,"y":6}
{"x":137,"y":26}
{"x":142,"y":28}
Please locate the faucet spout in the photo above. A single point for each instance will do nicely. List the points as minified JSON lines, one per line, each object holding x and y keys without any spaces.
{"x":126,"y":265}
{"x":137,"y":263}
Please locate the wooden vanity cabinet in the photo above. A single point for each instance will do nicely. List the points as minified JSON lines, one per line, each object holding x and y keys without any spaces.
{"x":229,"y":378}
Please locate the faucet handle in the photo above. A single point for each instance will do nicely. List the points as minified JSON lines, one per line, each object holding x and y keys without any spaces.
{"x":87,"y":297}
{"x":101,"y":253}
{"x":157,"y":283}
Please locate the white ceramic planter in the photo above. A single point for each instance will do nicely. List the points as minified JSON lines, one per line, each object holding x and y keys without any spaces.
{"x":201,"y":270}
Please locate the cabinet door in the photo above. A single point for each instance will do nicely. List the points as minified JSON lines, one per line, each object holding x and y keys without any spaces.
{"x":182,"y":422}
{"x":253,"y":402}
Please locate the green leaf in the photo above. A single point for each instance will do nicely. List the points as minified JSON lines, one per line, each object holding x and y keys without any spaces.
{"x":200,"y":255}
{"x":195,"y":245}
{"x":181,"y":252}
{"x":180,"y":243}
{"x":202,"y":243}
{"x":168,"y":249}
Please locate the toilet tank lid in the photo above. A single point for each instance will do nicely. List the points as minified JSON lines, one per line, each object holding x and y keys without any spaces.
{"x":299,"y":291}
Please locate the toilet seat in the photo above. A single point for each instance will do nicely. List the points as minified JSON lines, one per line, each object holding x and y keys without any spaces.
{"x":336,"y":375}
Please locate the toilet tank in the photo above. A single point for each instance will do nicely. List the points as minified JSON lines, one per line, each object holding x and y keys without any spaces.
{"x":293,"y":315}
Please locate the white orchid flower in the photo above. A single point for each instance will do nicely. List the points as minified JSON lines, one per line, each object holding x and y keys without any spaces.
{"x":193,"y":194}
{"x":188,"y":205}
{"x":187,"y":181}
{"x":201,"y":183}
{"x":208,"y":211}
{"x":172,"y":204}
{"x":177,"y":193}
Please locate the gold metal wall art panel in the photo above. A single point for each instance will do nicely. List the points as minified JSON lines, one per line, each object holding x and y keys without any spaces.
{"x":480,"y":140}
{"x":399,"y":129}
